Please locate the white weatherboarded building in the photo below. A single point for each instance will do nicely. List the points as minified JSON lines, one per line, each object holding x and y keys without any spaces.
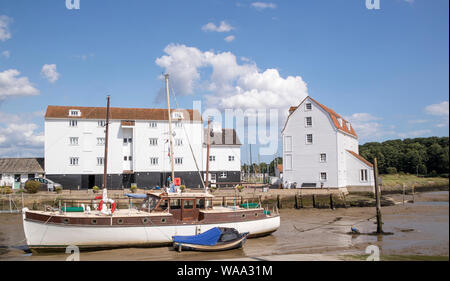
{"x":138,"y":147}
{"x":320,"y":149}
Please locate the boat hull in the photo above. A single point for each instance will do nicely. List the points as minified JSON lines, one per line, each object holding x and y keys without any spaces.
{"x":238,"y":243}
{"x":46,"y":236}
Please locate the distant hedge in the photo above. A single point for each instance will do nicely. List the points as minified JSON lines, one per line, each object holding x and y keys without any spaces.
{"x":425,"y":156}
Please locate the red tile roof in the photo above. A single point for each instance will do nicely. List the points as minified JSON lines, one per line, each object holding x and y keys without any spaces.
{"x":335,"y":117}
{"x":360,"y":158}
{"x":118,"y":113}
{"x":280,"y":167}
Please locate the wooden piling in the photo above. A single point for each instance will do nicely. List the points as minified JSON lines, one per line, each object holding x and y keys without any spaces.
{"x":224,"y":202}
{"x":314,"y":201}
{"x":331,"y":201}
{"x":279,"y":202}
{"x":378,"y":199}
{"x":296,"y":201}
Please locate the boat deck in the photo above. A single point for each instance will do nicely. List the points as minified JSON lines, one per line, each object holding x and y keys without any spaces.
{"x":95,"y":213}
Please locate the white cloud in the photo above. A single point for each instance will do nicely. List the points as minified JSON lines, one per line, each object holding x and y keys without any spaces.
{"x":368,"y":127}
{"x":5,"y":34}
{"x":20,"y":137}
{"x":6,"y":54}
{"x":233,"y":85}
{"x":50,"y":73}
{"x":229,"y":38}
{"x":440,"y":109}
{"x":414,"y":134}
{"x":12,"y":85}
{"x":223,"y":27}
{"x":263,"y":5}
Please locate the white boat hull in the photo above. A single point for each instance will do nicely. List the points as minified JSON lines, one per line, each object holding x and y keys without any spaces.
{"x":41,"y":235}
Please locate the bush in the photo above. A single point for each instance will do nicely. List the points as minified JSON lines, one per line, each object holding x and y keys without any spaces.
{"x":391,"y":170}
{"x":182,"y":187}
{"x":32,"y":186}
{"x":240,"y":188}
{"x":444,"y":175}
{"x":95,"y":189}
{"x":133,"y":188}
{"x":58,"y":189}
{"x":5,"y":190}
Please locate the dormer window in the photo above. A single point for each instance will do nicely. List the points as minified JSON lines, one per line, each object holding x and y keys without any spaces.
{"x":308,"y":106}
{"x":340,"y":121}
{"x":74,"y":113}
{"x":177,"y":115}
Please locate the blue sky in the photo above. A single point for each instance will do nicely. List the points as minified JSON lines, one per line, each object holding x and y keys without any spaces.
{"x":385,"y":70}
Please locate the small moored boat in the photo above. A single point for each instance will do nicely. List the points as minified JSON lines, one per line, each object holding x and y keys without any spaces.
{"x":215,"y":239}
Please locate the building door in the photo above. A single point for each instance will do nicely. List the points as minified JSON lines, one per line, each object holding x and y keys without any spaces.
{"x":127,"y":180}
{"x":188,"y":209}
{"x":91,"y":181}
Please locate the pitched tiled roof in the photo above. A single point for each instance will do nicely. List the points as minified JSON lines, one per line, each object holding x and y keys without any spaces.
{"x":225,"y":137}
{"x":280,"y":167}
{"x":360,"y":158}
{"x":335,"y":117}
{"x":22,"y":165}
{"x":118,"y":113}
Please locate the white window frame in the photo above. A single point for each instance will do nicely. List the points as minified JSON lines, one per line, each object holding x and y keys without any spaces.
{"x":326,"y":176}
{"x":153,"y":141}
{"x":73,"y":123}
{"x":178,"y":124}
{"x":100,"y":141}
{"x":289,"y":164}
{"x":323,"y":160}
{"x":287,"y":144}
{"x":223,"y":175}
{"x":178,"y":161}
{"x":100,"y":161}
{"x":153,"y":124}
{"x":230,"y":158}
{"x":212,"y":158}
{"x":73,"y":141}
{"x":154,"y":161}
{"x":306,"y":122}
{"x":178,"y":142}
{"x":364,"y":175}
{"x":74,"y":112}
{"x":74,"y":161}
{"x":306,"y":106}
{"x":306,"y":139}
{"x":101,"y":123}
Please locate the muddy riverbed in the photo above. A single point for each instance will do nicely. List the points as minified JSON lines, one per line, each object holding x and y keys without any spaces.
{"x":421,"y":228}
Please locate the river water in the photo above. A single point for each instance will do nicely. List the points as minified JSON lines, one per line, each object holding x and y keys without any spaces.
{"x":421,"y":228}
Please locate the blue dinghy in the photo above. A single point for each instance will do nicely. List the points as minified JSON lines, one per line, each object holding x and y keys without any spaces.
{"x":215,"y":239}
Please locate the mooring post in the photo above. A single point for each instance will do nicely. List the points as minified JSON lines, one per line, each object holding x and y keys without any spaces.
{"x":296,"y":201}
{"x":223,"y":201}
{"x":331,"y":201}
{"x":378,"y":199}
{"x":314,"y":200}
{"x":403,"y":185}
{"x":413,"y":192}
{"x":278,"y":202}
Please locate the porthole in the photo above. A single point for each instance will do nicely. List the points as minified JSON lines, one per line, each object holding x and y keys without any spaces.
{"x":243,"y":216}
{"x":120,"y":221}
{"x":256,"y":214}
{"x":66,"y":221}
{"x":94,"y":221}
{"x":144,"y":220}
{"x":163,"y":220}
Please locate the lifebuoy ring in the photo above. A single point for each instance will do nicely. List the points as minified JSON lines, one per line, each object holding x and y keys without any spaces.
{"x":113,"y":205}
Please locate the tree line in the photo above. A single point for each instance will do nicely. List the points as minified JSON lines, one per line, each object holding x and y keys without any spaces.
{"x":423,"y":156}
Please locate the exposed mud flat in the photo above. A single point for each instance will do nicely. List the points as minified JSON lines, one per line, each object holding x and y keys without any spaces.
{"x":421,"y":228}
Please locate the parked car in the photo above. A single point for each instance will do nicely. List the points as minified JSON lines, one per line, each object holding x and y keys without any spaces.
{"x":46,"y":184}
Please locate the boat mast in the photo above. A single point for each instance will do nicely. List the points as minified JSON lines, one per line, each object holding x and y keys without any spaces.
{"x":207,"y":154}
{"x":170,"y":127}
{"x":105,"y":168}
